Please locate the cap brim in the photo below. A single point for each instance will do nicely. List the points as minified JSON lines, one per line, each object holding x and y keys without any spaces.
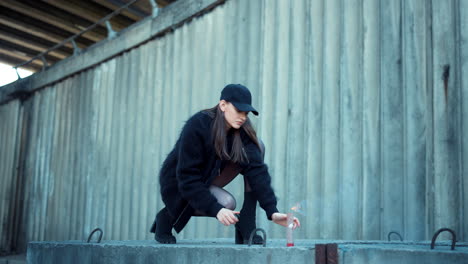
{"x":245,"y":108}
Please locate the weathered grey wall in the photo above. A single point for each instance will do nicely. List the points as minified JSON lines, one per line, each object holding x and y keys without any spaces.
{"x":354,"y":111}
{"x":10,"y":131}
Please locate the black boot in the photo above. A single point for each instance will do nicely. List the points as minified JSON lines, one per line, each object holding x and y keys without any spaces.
{"x":162,"y":228}
{"x":246,"y":223}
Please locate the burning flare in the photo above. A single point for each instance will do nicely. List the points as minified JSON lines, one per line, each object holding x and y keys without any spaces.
{"x":299,"y":207}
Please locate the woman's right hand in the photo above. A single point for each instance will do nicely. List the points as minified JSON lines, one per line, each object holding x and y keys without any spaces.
{"x":282,"y":219}
{"x":227,"y":217}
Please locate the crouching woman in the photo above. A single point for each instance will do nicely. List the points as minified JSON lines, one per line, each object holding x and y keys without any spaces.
{"x":215,"y":146}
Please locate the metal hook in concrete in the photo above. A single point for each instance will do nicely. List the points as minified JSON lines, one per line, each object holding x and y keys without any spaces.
{"x":44,"y":62}
{"x":396,"y":233}
{"x":17,"y":73}
{"x":254,"y":232}
{"x":100,"y":235}
{"x":454,"y":237}
{"x":76,"y":49}
{"x":110,"y":32}
{"x":155,"y":8}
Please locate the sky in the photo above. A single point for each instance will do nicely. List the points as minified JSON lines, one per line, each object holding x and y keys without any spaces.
{"x":8,"y":74}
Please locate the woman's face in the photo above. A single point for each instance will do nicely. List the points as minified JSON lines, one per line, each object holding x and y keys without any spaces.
{"x":234,"y":118}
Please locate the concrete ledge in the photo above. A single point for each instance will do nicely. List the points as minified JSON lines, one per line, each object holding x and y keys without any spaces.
{"x":186,"y":251}
{"x":402,"y":254}
{"x":169,"y":18}
{"x":225,"y":251}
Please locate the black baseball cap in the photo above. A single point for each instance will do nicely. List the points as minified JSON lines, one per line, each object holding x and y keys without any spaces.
{"x":239,"y":96}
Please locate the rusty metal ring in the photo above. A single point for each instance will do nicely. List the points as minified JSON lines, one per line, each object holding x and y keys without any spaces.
{"x":254,"y":232}
{"x":396,"y":233}
{"x":100,"y":235}
{"x":454,"y":237}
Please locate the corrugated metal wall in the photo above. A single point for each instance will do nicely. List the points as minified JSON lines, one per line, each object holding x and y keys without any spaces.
{"x":10,"y":131}
{"x":358,"y":121}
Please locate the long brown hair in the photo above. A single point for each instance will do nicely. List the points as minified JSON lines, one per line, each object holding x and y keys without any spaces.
{"x":219,"y":135}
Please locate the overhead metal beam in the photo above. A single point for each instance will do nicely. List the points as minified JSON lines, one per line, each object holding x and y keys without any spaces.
{"x":29,"y":28}
{"x":36,"y":31}
{"x":130,"y":12}
{"x":8,"y":60}
{"x":20,"y":56}
{"x":23,"y":52}
{"x":28,"y":43}
{"x":51,"y":19}
{"x":75,"y":20}
{"x":143,"y":5}
{"x":89,"y":11}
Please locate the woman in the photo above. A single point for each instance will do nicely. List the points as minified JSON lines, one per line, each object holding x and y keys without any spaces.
{"x":214,"y":146}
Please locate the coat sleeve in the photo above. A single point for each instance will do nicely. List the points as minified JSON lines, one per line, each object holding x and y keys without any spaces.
{"x":191,"y":158}
{"x":259,"y":179}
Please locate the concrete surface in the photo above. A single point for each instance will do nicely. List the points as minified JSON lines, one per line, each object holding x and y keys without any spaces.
{"x":402,"y":254}
{"x":13,"y":259}
{"x":186,"y":251}
{"x":225,"y":251}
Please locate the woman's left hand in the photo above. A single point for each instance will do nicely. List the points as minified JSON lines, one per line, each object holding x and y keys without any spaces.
{"x":282,"y":219}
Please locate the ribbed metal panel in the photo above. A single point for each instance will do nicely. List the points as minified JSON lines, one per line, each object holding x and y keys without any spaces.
{"x":356,"y":117}
{"x":447,"y":116}
{"x":10,"y":129}
{"x":462,"y":12}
